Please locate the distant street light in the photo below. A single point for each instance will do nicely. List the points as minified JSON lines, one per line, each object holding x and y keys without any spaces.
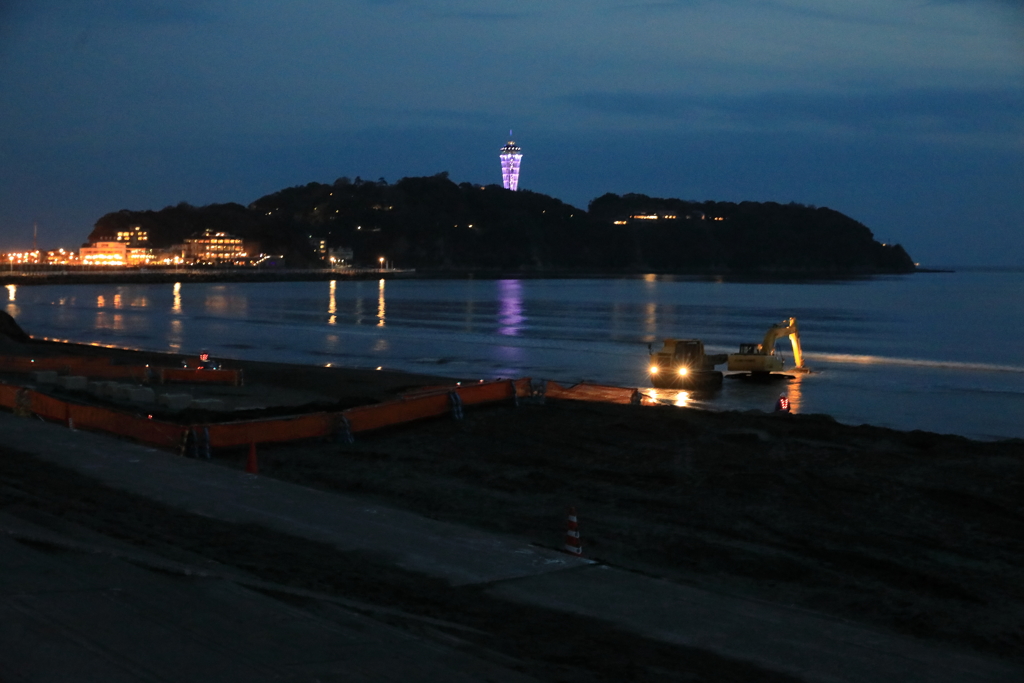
{"x":381,"y":259}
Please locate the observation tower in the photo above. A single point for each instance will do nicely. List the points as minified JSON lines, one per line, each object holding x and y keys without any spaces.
{"x":511,"y":156}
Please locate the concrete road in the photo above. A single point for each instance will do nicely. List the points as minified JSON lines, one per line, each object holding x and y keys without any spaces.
{"x":69,"y":612}
{"x":447,"y":551}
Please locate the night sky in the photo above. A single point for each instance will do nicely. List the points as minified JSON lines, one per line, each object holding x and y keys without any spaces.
{"x":906,"y":115}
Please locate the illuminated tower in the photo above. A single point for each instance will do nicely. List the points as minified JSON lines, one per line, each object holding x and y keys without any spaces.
{"x":511,"y":156}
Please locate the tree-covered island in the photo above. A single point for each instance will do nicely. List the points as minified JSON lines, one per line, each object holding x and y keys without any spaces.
{"x":435,"y":225}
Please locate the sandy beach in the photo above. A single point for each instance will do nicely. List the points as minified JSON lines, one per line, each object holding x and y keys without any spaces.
{"x":910,"y":533}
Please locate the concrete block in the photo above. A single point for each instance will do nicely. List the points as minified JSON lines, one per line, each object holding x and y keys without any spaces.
{"x":207,"y":404}
{"x":73,"y":382}
{"x":143,"y":395}
{"x":44,"y":377}
{"x":175,"y":401}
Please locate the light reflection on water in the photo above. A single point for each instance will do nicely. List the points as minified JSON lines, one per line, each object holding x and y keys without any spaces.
{"x":12,"y":292}
{"x":380,"y":304}
{"x":793,"y":392}
{"x":511,"y":314}
{"x":332,"y":304}
{"x":881,"y":347}
{"x":175,"y":336}
{"x":675,"y":397}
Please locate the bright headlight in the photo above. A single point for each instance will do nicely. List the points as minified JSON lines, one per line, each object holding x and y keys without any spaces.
{"x":683,"y":371}
{"x":654,"y":369}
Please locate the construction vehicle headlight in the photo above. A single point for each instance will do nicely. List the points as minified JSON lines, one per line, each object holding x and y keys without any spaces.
{"x":654,"y":369}
{"x":683,"y":371}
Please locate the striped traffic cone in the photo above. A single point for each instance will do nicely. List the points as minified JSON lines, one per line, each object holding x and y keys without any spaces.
{"x":572,"y":534}
{"x":252,"y":465}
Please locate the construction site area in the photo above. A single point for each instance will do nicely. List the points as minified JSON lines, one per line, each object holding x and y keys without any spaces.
{"x":256,"y":521}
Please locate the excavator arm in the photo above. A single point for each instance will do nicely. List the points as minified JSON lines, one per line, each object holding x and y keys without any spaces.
{"x":777,"y":331}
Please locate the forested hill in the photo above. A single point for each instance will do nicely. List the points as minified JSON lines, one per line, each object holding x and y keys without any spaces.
{"x":431,"y":223}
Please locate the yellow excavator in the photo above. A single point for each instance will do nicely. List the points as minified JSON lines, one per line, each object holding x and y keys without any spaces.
{"x":760,"y":359}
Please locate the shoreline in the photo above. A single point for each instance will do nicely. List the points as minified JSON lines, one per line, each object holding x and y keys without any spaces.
{"x":203,"y":275}
{"x":383,"y":384}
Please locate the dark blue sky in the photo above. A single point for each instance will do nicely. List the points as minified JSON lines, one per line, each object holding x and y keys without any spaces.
{"x":906,"y":115}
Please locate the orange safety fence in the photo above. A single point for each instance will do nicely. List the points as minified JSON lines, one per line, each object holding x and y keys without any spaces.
{"x":354,"y":420}
{"x":360,"y":419}
{"x":196,"y":376}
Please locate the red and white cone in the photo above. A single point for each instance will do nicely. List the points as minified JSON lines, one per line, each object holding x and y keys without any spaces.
{"x":572,"y":534}
{"x":252,"y":465}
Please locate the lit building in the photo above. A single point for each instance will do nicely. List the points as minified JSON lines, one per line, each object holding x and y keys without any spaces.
{"x":134,"y":236}
{"x":104,"y":254}
{"x":217,"y":248}
{"x":169,"y":257}
{"x":61,"y":257}
{"x":652,"y":217}
{"x":22,"y":257}
{"x":511,"y":157}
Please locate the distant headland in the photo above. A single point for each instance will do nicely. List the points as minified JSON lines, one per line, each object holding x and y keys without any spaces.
{"x":438,"y":227}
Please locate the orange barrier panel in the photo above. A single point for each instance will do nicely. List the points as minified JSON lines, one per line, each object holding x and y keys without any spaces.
{"x":8,"y":395}
{"x":228,"y":434}
{"x":366,"y":418}
{"x":96,"y":418}
{"x":486,"y":392}
{"x":194,"y":376}
{"x":478,"y":392}
{"x":142,"y":429}
{"x":594,"y":392}
{"x":428,"y":391}
{"x":523,"y":386}
{"x":47,"y":407}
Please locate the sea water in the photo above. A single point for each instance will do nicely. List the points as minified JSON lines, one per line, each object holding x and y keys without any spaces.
{"x":942,"y":352}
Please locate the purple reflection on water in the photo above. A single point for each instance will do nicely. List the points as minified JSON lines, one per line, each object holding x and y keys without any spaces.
{"x":510,"y":311}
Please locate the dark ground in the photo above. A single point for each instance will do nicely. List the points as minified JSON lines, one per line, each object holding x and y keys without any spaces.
{"x":915,"y":532}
